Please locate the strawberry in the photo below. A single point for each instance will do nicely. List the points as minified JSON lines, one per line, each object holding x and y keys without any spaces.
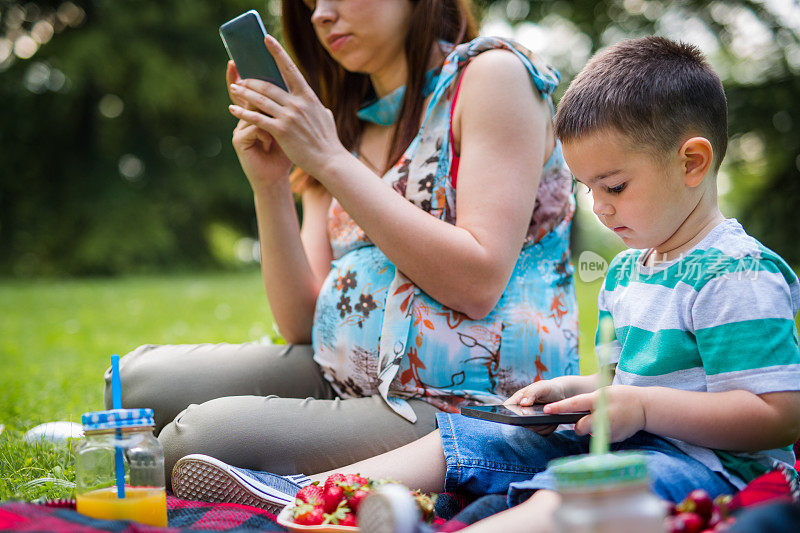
{"x":308,"y":515}
{"x":339,"y":515}
{"x":355,"y":500}
{"x":334,"y":479}
{"x":356,"y":479}
{"x":349,"y":520}
{"x":331,"y":498}
{"x":309,"y":494}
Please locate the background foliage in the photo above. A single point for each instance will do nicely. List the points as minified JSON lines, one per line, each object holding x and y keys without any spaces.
{"x":115,"y":133}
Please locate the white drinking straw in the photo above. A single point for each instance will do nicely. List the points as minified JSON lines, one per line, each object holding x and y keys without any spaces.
{"x":600,"y":432}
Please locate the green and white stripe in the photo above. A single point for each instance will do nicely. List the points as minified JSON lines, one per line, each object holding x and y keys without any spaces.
{"x":720,"y":318}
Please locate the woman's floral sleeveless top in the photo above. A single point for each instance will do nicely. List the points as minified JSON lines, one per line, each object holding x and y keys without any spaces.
{"x":375,"y":332}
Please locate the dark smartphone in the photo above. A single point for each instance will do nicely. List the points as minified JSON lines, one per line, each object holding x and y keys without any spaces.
{"x":243,"y":38}
{"x":518,"y":415}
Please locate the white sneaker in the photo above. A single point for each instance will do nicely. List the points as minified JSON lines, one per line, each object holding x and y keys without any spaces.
{"x":389,"y":509}
{"x":57,"y":432}
{"x":200,"y":477}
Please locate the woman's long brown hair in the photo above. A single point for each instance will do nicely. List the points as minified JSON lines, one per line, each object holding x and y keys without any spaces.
{"x":344,"y":92}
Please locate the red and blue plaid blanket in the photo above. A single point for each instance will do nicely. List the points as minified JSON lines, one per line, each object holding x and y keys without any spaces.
{"x":185,"y":516}
{"x":182,"y":515}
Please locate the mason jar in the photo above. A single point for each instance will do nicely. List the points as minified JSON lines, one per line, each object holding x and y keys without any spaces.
{"x":607,"y":493}
{"x":119,"y":468}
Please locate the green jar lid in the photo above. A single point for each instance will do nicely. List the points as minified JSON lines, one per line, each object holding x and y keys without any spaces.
{"x":599,"y":471}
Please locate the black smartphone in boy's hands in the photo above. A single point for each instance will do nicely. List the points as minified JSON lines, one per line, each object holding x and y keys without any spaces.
{"x":243,"y":38}
{"x":519,"y":415}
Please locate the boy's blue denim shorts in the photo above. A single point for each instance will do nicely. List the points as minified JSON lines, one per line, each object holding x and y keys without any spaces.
{"x":486,"y":457}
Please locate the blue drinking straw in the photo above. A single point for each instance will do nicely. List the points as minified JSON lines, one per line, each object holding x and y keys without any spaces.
{"x":116,"y":403}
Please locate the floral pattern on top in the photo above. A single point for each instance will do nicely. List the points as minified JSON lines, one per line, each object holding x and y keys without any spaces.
{"x":376,"y":332}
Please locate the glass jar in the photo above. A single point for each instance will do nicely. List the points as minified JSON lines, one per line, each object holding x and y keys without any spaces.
{"x":607,"y":493}
{"x":119,"y":468}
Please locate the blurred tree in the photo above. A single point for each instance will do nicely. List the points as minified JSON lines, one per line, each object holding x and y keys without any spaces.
{"x":755,"y":47}
{"x":115,"y":134}
{"x":115,"y":137}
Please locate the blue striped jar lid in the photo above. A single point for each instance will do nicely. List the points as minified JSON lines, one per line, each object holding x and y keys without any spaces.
{"x":118,"y":419}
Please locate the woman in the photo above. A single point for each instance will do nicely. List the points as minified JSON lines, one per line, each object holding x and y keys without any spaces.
{"x":432,"y":266}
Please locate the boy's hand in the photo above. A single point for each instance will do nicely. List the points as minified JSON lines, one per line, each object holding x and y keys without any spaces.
{"x":626,"y":412}
{"x":544,"y":391}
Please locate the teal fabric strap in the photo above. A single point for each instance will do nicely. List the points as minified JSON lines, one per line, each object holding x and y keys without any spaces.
{"x":384,"y":111}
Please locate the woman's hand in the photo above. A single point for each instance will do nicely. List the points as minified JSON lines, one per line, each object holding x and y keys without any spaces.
{"x":261,"y":157}
{"x":297,"y":120}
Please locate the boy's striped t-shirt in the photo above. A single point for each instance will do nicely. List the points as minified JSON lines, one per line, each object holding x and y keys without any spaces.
{"x":719,"y":318}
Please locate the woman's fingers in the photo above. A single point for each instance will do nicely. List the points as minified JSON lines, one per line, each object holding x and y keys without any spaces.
{"x":231,"y":77}
{"x":246,"y":135}
{"x":263,"y":88}
{"x":231,"y":73}
{"x":256,"y":100}
{"x":291,"y":74}
{"x":253,"y":117}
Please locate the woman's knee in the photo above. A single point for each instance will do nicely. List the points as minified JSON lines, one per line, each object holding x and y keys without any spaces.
{"x":223,"y":428}
{"x":190,"y":432}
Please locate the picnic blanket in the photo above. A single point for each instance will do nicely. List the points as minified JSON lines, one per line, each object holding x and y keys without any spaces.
{"x":182,"y":515}
{"x":456,"y":511}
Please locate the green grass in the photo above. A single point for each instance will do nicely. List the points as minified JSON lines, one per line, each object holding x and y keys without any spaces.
{"x":56,"y":338}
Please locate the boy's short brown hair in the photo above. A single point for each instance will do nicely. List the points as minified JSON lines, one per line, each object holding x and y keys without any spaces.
{"x":653,"y":90}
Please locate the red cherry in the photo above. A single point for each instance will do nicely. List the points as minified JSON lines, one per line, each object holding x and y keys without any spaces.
{"x":702,"y":503}
{"x":674,"y":525}
{"x":672,"y":509}
{"x":692,"y":522}
{"x":725,"y":524}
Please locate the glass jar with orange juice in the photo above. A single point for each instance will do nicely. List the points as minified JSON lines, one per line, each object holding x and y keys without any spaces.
{"x":119,"y":468}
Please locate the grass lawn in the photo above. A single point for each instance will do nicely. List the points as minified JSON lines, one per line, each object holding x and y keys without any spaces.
{"x":56,"y":338}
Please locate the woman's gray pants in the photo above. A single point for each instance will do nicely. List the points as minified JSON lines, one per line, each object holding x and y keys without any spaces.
{"x":263,"y":407}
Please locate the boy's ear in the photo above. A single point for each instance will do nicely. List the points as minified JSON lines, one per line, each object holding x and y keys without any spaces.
{"x":696,"y":155}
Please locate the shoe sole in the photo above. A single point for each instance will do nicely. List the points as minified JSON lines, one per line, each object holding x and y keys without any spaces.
{"x":203,"y":478}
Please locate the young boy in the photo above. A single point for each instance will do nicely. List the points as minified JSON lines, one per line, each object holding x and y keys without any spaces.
{"x":707,"y":365}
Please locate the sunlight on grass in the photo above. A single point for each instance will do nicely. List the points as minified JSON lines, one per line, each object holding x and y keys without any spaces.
{"x":56,"y":337}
